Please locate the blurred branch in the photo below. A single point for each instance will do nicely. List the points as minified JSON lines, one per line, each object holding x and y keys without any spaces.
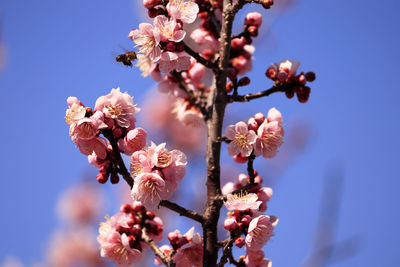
{"x":199,"y":58}
{"x":248,"y":97}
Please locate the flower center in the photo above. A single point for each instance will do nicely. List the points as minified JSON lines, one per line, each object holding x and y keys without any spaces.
{"x":164,"y":159}
{"x":241,"y":140}
{"x":115,"y":110}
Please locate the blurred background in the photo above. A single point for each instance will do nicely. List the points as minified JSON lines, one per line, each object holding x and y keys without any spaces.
{"x":335,"y":181}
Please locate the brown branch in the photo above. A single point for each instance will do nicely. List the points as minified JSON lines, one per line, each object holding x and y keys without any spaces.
{"x":250,"y":168}
{"x":182,"y":211}
{"x":199,"y":58}
{"x":227,"y":250}
{"x":248,"y":97}
{"x":117,"y":155}
{"x":194,"y":100}
{"x":168,"y":262}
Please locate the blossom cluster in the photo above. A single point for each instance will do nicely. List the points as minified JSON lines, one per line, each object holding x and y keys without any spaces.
{"x":120,"y":237}
{"x":284,"y":73}
{"x":157,"y":171}
{"x":112,"y":114}
{"x":260,"y":135}
{"x":246,"y":218}
{"x":187,"y":249}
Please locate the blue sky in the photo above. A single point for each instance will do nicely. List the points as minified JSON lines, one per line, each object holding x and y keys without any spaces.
{"x":57,"y":49}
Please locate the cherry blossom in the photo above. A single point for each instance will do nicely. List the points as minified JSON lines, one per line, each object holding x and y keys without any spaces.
{"x":149,"y":188}
{"x":147,"y":38}
{"x":169,"y":29}
{"x":242,"y":202}
{"x":242,"y":139}
{"x":260,"y":231}
{"x":186,"y":11}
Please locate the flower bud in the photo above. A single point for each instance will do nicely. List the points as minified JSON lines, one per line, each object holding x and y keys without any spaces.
{"x":117,"y":132}
{"x":239,"y":158}
{"x":310,"y":76}
{"x":252,"y":124}
{"x":244,"y":81}
{"x":267,"y":3}
{"x":271,"y":73}
{"x":102,"y":178}
{"x":237,"y":43}
{"x":230,"y":224}
{"x":240,"y":242}
{"x":253,"y":31}
{"x":126,"y":208}
{"x":170,"y":46}
{"x":229,"y":87}
{"x":259,"y":118}
{"x":246,"y":220}
{"x":114,"y":179}
{"x":303,"y":93}
{"x":302,"y":79}
{"x":253,"y":19}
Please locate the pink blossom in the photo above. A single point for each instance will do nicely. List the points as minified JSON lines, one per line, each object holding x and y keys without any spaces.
{"x":253,"y":19}
{"x":284,"y":70}
{"x":196,"y":72}
{"x":118,"y":106}
{"x":260,"y":231}
{"x":97,"y":145}
{"x":264,"y":195}
{"x":148,"y":67}
{"x":87,"y":128}
{"x":203,"y":37}
{"x":75,"y":111}
{"x":147,"y":38}
{"x":190,"y":254}
{"x":169,"y":29}
{"x":174,"y":61}
{"x":256,"y":259}
{"x":230,"y":224}
{"x":149,"y":188}
{"x":81,"y":204}
{"x":186,"y":11}
{"x":134,"y":140}
{"x":242,"y":139}
{"x":187,"y":113}
{"x":242,"y":202}
{"x":140,"y":163}
{"x":177,"y":169}
{"x":170,"y":86}
{"x":269,"y":135}
{"x":75,"y":247}
{"x":116,"y":246}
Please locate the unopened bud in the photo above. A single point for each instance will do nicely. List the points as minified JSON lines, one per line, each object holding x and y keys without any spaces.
{"x":237,"y":43}
{"x":244,"y":81}
{"x":170,"y":46}
{"x":114,"y":179}
{"x":302,"y":79}
{"x":239,"y":158}
{"x":229,"y":87}
{"x":271,"y":73}
{"x":240,"y":242}
{"x":289,"y":93}
{"x":267,"y":3}
{"x":259,"y":117}
{"x":126,"y":208}
{"x":232,"y":74}
{"x":101,"y":178}
{"x":310,"y":76}
{"x":303,"y":93}
{"x":252,"y":124}
{"x":150,"y":215}
{"x":253,"y":31}
{"x":89,"y":112}
{"x":117,"y":132}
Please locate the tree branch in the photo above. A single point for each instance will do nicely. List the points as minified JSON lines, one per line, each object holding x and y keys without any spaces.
{"x":199,"y":58}
{"x":168,"y":262}
{"x":248,"y":97}
{"x":194,"y":100}
{"x":117,"y":155}
{"x":182,"y":211}
{"x":250,"y":168}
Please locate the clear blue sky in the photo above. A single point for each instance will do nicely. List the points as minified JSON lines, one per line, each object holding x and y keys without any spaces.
{"x":60,"y":48}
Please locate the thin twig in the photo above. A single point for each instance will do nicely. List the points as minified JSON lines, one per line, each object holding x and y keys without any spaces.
{"x":182,"y":211}
{"x":227,"y":250}
{"x":199,"y":58}
{"x":157,"y":250}
{"x":250,"y":168}
{"x":248,"y":97}
{"x":194,"y":100}
{"x":117,"y":155}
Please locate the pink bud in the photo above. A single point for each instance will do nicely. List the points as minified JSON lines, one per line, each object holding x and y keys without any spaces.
{"x":230,"y":224}
{"x":243,"y":179}
{"x":253,"y":19}
{"x":282,"y":76}
{"x":117,"y":132}
{"x":126,"y":208}
{"x":170,"y":46}
{"x":138,"y":207}
{"x":240,"y":242}
{"x":252,"y":124}
{"x":302,"y":79}
{"x":150,"y":3}
{"x":246,"y":220}
{"x":114,"y":179}
{"x":239,"y":158}
{"x":102,"y":178}
{"x":271,"y":73}
{"x":237,"y":43}
{"x":259,"y":118}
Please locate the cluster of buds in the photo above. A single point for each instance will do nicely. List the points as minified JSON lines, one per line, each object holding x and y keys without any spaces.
{"x":157,"y":171}
{"x":284,"y":73}
{"x":185,"y":250}
{"x":120,"y":237}
{"x":260,"y":135}
{"x":112,"y":116}
{"x":263,"y":194}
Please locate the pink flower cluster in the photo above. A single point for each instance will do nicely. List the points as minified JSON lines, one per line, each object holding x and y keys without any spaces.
{"x":258,"y":196}
{"x":157,"y":171}
{"x":246,"y":218}
{"x":260,"y":135}
{"x":120,"y":237}
{"x":161,"y":42}
{"x":113,"y":114}
{"x":188,"y":247}
{"x":285,"y":73}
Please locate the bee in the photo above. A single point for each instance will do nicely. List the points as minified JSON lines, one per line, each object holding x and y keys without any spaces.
{"x":126,"y":58}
